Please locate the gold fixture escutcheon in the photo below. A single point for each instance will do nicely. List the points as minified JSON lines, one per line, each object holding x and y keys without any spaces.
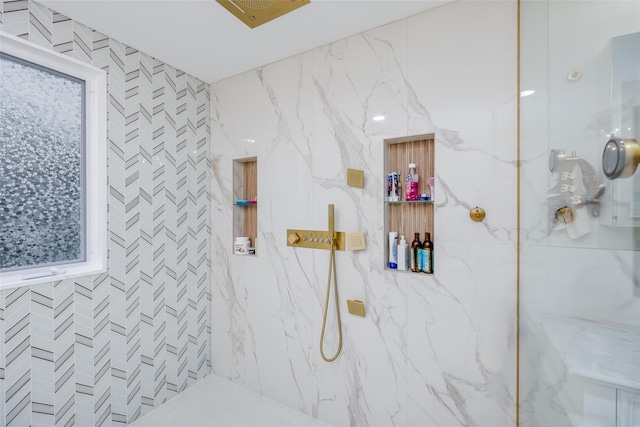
{"x":477,"y":214}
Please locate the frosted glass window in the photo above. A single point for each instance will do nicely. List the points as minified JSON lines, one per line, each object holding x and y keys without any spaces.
{"x":42,"y":140}
{"x":53,"y":128}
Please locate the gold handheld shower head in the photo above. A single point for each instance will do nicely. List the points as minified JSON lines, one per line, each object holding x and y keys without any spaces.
{"x":332,"y":230}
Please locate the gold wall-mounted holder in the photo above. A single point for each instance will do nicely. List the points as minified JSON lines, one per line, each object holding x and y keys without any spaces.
{"x":355,"y":307}
{"x":477,"y":214}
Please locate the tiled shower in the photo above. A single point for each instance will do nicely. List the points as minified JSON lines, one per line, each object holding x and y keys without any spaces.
{"x":176,"y":304}
{"x":104,"y":349}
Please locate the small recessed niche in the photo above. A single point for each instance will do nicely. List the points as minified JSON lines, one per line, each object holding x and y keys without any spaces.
{"x":408,"y":217}
{"x":245,"y":201}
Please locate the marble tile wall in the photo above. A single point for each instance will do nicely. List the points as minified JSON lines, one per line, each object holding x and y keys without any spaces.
{"x":432,"y":350}
{"x":104,"y":349}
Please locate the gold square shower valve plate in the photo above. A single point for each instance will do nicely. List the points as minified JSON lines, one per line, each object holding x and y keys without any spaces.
{"x":257,"y":12}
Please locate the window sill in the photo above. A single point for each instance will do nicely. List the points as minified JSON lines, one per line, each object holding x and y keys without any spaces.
{"x":34,"y":276}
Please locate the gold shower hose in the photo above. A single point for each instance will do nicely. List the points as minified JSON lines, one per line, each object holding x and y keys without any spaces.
{"x":332,"y":267}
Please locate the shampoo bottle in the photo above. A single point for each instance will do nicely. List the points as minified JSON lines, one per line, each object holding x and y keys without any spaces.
{"x":393,"y":250}
{"x":411,"y":184}
{"x":414,"y":183}
{"x":427,"y":254}
{"x":416,"y":246}
{"x":403,"y":254}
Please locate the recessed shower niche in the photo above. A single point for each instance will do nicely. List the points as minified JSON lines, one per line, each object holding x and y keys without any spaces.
{"x":408,"y":217}
{"x":245,"y":201}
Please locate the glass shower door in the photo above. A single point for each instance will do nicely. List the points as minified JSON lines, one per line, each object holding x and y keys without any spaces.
{"x":579,"y":281}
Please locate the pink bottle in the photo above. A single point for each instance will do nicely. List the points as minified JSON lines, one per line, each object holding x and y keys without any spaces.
{"x":411,"y":184}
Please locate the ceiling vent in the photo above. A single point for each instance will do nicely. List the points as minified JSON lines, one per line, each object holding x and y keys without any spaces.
{"x":257,"y":12}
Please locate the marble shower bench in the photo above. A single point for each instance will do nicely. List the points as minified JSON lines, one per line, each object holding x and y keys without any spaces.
{"x":596,"y":368}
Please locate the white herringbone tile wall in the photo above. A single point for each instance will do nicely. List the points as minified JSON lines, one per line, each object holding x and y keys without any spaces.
{"x":104,"y":350}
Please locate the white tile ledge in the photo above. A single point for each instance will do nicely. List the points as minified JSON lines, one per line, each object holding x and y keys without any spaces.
{"x":214,"y":401}
{"x":605,"y":352}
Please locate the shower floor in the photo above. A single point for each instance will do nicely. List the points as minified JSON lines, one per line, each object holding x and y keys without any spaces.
{"x":213,"y":401}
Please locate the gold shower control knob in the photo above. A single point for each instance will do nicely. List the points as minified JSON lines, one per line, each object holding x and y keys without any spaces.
{"x":477,"y":214}
{"x":293,"y":238}
{"x":565,"y":215}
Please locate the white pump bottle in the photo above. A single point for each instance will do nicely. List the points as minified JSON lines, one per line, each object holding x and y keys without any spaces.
{"x":403,"y":254}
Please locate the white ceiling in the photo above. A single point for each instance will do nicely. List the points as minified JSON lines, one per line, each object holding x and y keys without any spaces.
{"x":202,"y":38}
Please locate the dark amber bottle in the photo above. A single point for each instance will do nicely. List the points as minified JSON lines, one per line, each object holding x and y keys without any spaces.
{"x":427,"y":254}
{"x":416,"y":247}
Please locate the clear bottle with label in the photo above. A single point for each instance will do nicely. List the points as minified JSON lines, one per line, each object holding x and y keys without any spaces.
{"x":427,"y":254}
